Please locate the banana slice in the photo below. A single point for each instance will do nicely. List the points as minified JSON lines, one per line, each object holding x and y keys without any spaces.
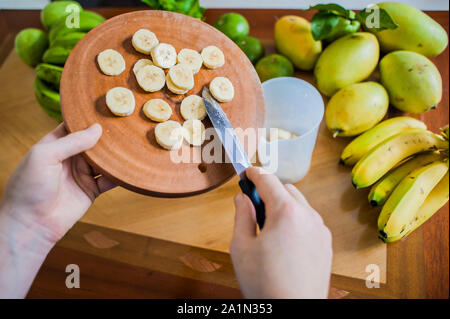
{"x":157,"y":110}
{"x":213,"y":57}
{"x":191,"y":58}
{"x":151,"y":78}
{"x":120,"y":101}
{"x":173,"y":88}
{"x":194,"y":132}
{"x":169,"y":135}
{"x":280,"y":134}
{"x":222,"y":89}
{"x":111,"y":62}
{"x":141,"y":63}
{"x":193,"y":108}
{"x":144,"y":41}
{"x":181,"y":76}
{"x":164,"y":55}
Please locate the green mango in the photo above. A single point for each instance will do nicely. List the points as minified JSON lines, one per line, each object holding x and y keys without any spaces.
{"x":56,"y":55}
{"x":68,"y":40}
{"x":347,"y":60}
{"x":356,"y":108}
{"x":88,"y":21}
{"x":413,"y":82}
{"x":49,"y":73}
{"x":56,"y":10}
{"x":48,"y":98}
{"x":416,"y":31}
{"x":30,"y":45}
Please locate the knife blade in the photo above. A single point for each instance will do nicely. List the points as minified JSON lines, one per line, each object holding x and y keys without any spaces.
{"x":234,"y":151}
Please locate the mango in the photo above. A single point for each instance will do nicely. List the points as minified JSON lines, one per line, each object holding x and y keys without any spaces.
{"x":416,"y":31}
{"x":56,"y":10}
{"x":30,"y":45}
{"x":347,"y":60}
{"x":413,"y":82}
{"x":356,"y":108}
{"x":294,"y":40}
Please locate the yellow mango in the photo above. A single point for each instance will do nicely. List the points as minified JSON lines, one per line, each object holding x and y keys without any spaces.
{"x":356,"y":108}
{"x":413,"y":82}
{"x":416,"y":31}
{"x":294,"y":40}
{"x":348,"y":60}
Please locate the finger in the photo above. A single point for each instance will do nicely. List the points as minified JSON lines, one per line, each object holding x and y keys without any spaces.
{"x":269,"y":187}
{"x":244,"y":219}
{"x":295,"y":193}
{"x":75,"y":143}
{"x":104,"y":184}
{"x":58,"y":132}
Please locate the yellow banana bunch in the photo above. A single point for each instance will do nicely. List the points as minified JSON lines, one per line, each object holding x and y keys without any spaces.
{"x":361,"y":145}
{"x":386,"y":155}
{"x":413,"y":201}
{"x":380,"y":192}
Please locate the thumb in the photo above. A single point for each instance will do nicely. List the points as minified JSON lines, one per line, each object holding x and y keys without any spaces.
{"x":75,"y":143}
{"x":244,"y":220}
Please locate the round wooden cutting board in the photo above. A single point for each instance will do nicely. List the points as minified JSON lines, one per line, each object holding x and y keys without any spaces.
{"x":127,"y":152}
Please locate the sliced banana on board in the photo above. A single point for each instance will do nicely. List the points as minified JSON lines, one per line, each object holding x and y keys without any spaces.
{"x":193,"y":108}
{"x":157,"y":110}
{"x":169,"y":135}
{"x":173,"y":88}
{"x":144,"y":41}
{"x":151,"y":78}
{"x":111,"y":62}
{"x":120,"y":101}
{"x":164,"y":55}
{"x":222,"y":89}
{"x":194,"y":132}
{"x":213,"y":57}
{"x":191,"y":58}
{"x":141,"y":63}
{"x":181,"y":76}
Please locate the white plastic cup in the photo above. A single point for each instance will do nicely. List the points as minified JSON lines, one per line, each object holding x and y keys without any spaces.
{"x":296,"y":106}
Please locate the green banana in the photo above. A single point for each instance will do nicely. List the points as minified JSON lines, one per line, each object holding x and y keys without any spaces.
{"x":49,"y":73}
{"x":47,"y":97}
{"x":435,"y":200}
{"x":68,"y":40}
{"x":402,"y":207}
{"x":56,"y":55}
{"x":391,"y":152}
{"x":88,"y":20}
{"x":380,"y":192}
{"x":379,"y":133}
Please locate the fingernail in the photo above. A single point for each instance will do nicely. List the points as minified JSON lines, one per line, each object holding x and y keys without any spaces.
{"x":95,"y":128}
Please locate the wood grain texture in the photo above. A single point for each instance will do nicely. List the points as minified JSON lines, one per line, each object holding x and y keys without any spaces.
{"x":127,"y":151}
{"x":416,"y":266}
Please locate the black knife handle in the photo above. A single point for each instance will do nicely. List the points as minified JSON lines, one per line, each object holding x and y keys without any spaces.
{"x":249,"y":189}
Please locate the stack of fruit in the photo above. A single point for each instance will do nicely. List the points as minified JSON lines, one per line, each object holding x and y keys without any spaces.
{"x":407,"y":167}
{"x":66,"y":23}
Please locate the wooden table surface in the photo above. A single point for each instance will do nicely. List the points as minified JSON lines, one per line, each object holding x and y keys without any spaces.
{"x":416,"y":267}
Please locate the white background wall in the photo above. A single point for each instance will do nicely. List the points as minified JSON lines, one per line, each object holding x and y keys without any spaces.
{"x":294,"y":4}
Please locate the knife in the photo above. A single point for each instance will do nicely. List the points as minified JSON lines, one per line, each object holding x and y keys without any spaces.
{"x":235,"y":153}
